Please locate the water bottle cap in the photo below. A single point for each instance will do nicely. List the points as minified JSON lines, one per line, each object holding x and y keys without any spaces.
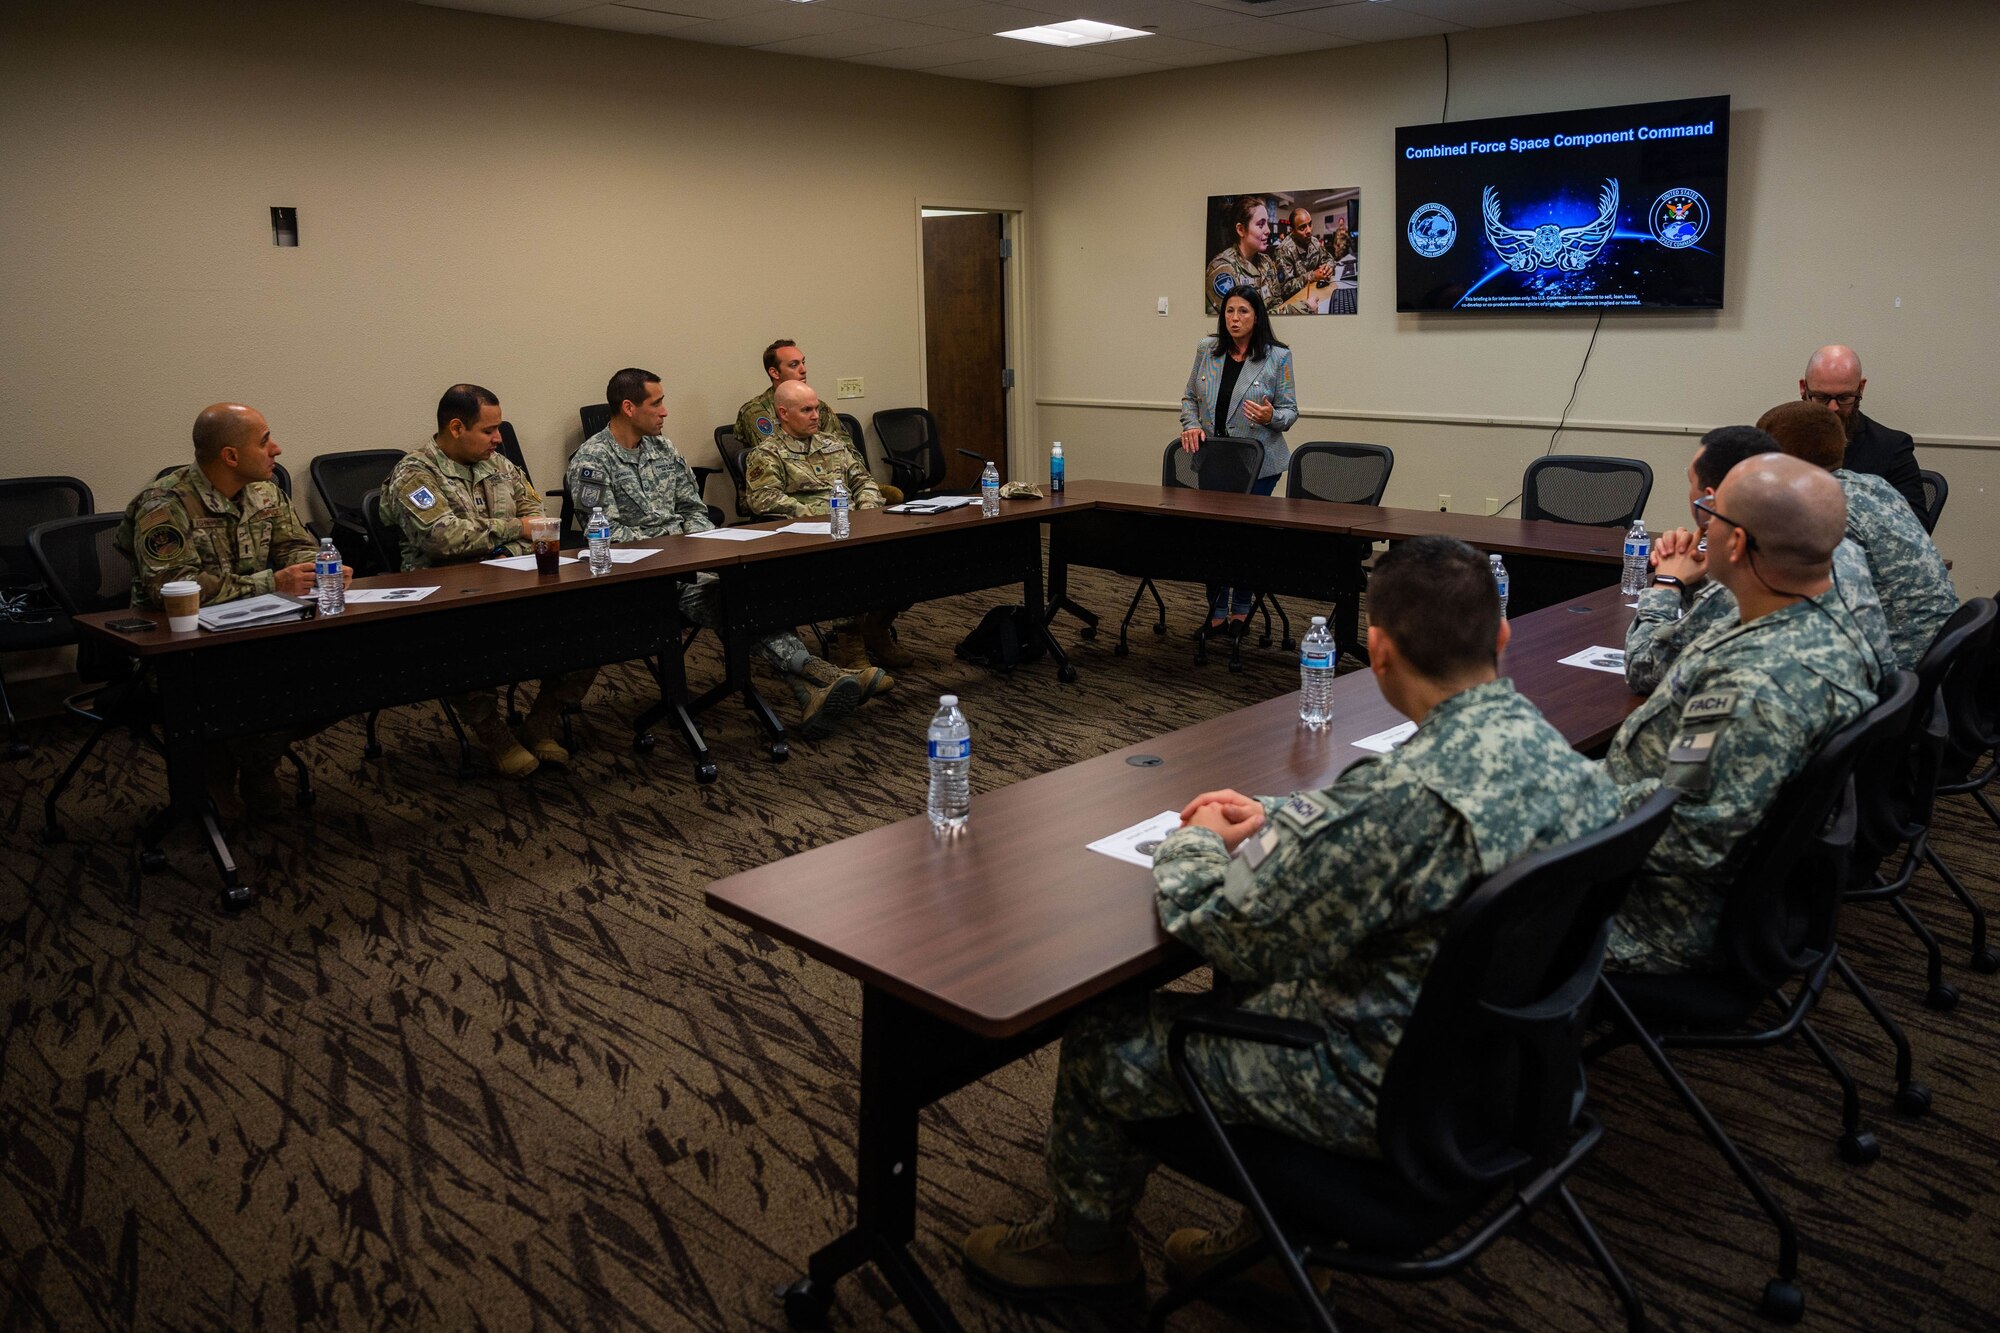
{"x":1319,"y":620}
{"x":947,"y":701}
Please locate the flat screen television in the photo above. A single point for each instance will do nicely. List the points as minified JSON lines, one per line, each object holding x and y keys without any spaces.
{"x":1620,"y":207}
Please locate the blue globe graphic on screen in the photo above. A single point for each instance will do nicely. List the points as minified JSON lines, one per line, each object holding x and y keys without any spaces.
{"x":1431,"y":230}
{"x":1678,"y":218}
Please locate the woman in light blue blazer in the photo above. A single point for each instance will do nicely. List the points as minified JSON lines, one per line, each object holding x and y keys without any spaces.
{"x":1241,"y":386}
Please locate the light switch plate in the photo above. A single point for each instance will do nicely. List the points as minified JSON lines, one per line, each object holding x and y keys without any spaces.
{"x":848,"y":386}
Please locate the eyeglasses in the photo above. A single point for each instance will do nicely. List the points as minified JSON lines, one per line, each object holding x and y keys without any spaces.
{"x":1707,"y":506}
{"x":1842,"y":400}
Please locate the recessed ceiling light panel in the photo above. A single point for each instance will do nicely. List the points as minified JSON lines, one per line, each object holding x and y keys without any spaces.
{"x":1076,"y":32}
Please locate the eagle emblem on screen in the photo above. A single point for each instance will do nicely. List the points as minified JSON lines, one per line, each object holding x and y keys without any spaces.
{"x":1550,"y":246}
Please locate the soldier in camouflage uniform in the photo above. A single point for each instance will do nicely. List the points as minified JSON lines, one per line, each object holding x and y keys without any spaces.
{"x":1246,"y":262}
{"x":222,"y":522}
{"x":1684,"y":603}
{"x":1302,"y":257}
{"x":757,"y":420}
{"x":791,"y":475}
{"x":1915,"y":587}
{"x":457,"y":498}
{"x":1324,"y":906}
{"x":647,"y":490}
{"x":1745,"y":708}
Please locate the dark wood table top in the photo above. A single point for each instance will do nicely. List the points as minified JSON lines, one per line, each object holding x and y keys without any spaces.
{"x":1508,"y":536}
{"x":1267,"y":510}
{"x":456,"y":585}
{"x":1016,"y":922}
{"x":878,"y":525}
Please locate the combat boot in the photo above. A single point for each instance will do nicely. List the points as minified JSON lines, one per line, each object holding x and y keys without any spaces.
{"x":846,"y":650}
{"x":503,"y":749}
{"x":1261,"y":1291}
{"x":221,"y":782}
{"x":539,"y":728}
{"x":826,"y":694}
{"x":263,"y":796}
{"x":1033,"y":1261}
{"x":882,"y":649}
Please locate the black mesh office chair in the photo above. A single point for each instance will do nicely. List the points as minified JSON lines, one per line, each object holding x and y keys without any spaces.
{"x":86,"y":572}
{"x":1936,"y":491}
{"x":594,"y":418}
{"x":31,"y":620}
{"x":1341,"y":473}
{"x":341,"y":479}
{"x":279,"y":474}
{"x":510,"y":449}
{"x":1596,"y":492}
{"x":1481,"y":1116}
{"x":1221,"y":464}
{"x":1229,"y":466}
{"x":1971,"y":698}
{"x":732,"y":462}
{"x":1779,"y":925}
{"x":912,"y":448}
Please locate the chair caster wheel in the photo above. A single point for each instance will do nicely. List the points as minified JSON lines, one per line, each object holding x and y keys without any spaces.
{"x":806,"y":1305}
{"x":237,"y":898}
{"x":305,"y":800}
{"x":1263,"y":641}
{"x":152,"y":859}
{"x":1913,"y":1099}
{"x":1783,"y":1301}
{"x":1120,"y":651}
{"x":1087,"y":632}
{"x":780,"y":751}
{"x":1237,"y":667}
{"x":1067,"y":675}
{"x":1288,"y":643}
{"x":643,"y":743}
{"x":1986,"y":960}
{"x":1159,"y":629}
{"x":705,"y":773}
{"x":1942,"y":997}
{"x":1859,"y":1148}
{"x":371,"y":752}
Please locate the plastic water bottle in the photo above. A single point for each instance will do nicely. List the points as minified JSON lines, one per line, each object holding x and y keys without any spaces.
{"x":1316,"y":676}
{"x":1500,"y":584}
{"x":332,"y":590}
{"x":840,"y":510}
{"x":1055,"y":468}
{"x":599,"y":533}
{"x":951,"y":767}
{"x":989,"y":491}
{"x":1638,"y":560}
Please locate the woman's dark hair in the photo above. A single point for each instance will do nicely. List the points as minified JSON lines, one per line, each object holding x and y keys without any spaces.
{"x":1239,"y":215}
{"x":1262,"y":339}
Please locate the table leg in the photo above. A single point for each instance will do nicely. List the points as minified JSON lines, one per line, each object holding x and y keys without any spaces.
{"x":671,"y":674}
{"x":187,"y":780}
{"x":1347,"y":603}
{"x":1031,"y":600}
{"x":1059,"y":599}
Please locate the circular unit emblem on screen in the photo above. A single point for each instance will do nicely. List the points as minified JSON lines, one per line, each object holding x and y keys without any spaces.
{"x":1432,"y":229}
{"x":1679,"y":218}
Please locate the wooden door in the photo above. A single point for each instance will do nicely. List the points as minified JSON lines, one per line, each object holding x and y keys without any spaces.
{"x":966,"y":341}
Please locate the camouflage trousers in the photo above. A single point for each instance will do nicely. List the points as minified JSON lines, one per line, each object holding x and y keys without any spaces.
{"x":1114,"y":1070}
{"x":701,"y":603}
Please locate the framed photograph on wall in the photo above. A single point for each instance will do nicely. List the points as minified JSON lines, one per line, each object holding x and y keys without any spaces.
{"x":1299,"y":248}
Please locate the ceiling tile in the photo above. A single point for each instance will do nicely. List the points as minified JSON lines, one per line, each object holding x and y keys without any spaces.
{"x":1179,"y":52}
{"x":824,"y":45}
{"x":1260,"y":37}
{"x":1369,"y":23}
{"x":712,"y":9}
{"x":1490,"y":13}
{"x":987,"y":19}
{"x":520,"y":9}
{"x":623,"y":18}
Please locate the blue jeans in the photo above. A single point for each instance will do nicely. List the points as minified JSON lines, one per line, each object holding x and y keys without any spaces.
{"x":1239,"y":600}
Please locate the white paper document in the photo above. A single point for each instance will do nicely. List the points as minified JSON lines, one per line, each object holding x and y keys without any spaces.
{"x":732,"y":534}
{"x":1598,"y":659}
{"x":632,"y":555}
{"x":1384,"y":741}
{"x":364,"y":596}
{"x":932,"y":504}
{"x":267,"y":608}
{"x":822,"y":529}
{"x":524,"y":561}
{"x":1136,"y":844}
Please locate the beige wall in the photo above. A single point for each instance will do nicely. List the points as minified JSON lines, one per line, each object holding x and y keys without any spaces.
{"x":526,"y":205}
{"x":1862,"y":170}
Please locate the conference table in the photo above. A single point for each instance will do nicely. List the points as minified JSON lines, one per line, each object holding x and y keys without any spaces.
{"x":972,"y":951}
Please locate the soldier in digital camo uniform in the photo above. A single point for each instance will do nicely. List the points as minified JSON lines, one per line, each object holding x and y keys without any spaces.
{"x":1684,"y":603}
{"x":457,"y":498}
{"x":647,"y":490}
{"x":1742,"y":710}
{"x":224,"y":523}
{"x":1323,"y":906}
{"x":1910,"y":577}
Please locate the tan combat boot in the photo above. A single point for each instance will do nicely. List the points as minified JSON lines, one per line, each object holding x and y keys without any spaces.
{"x":507,"y":753}
{"x":1032,"y":1261}
{"x":826,"y":694}
{"x":882,"y":649}
{"x":1261,"y":1291}
{"x":539,"y":728}
{"x":849,"y":654}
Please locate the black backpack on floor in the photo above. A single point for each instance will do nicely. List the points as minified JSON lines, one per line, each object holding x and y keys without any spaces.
{"x":1005,"y":639}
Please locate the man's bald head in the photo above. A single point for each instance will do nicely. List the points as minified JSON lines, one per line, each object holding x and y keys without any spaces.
{"x":1834,"y":360}
{"x":225,"y":426}
{"x":1833,"y":382}
{"x":1792,"y":513}
{"x":798,"y":407}
{"x":1807,"y":431}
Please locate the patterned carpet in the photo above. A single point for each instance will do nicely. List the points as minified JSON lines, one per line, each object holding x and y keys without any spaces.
{"x":481,"y":1059}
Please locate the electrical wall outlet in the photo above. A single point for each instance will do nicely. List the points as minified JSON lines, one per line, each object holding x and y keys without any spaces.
{"x":1163,"y":304}
{"x":1492,"y":504}
{"x":848,"y":386}
{"x":1444,"y":503}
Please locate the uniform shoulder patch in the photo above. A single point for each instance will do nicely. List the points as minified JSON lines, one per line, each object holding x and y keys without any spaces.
{"x":1304,"y":812}
{"x":164,"y":541}
{"x":421,"y":499}
{"x":1224,"y":284}
{"x":764,"y":426}
{"x":1692,"y":747}
{"x":1709,"y":706}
